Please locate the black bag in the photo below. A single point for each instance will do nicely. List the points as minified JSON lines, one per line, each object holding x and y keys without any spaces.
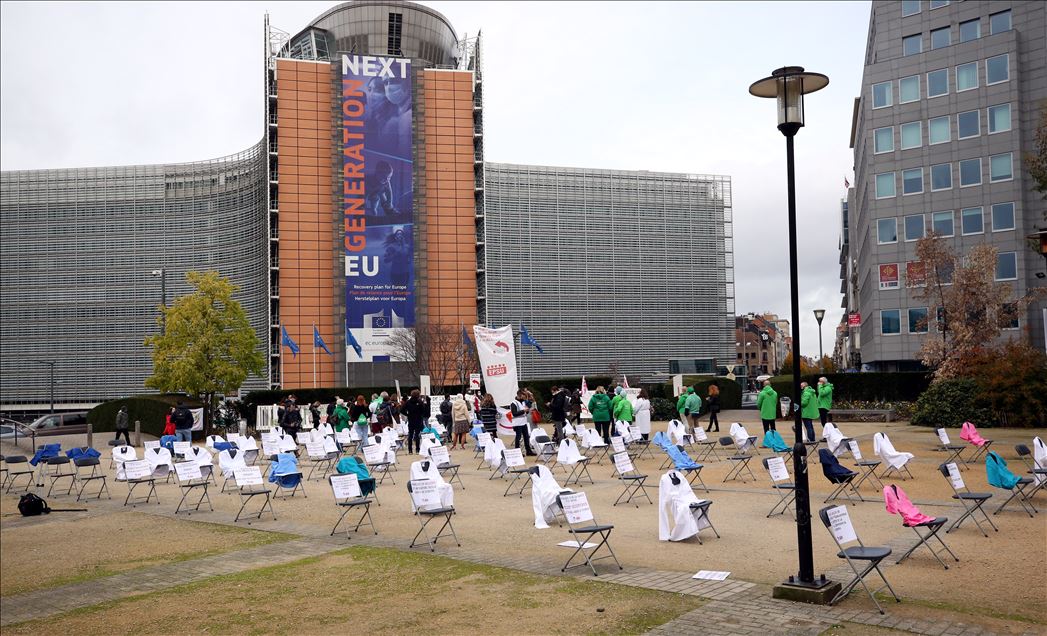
{"x":30,"y":505}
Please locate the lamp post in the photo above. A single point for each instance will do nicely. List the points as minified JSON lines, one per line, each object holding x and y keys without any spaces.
{"x":51,"y":364}
{"x":162,"y":273}
{"x":788,"y":85}
{"x":818,"y":315}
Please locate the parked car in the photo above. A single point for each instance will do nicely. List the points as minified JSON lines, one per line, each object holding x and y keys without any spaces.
{"x":749,"y":400}
{"x":47,"y":425}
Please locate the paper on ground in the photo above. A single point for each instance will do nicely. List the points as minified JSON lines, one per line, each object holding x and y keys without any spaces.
{"x":711,"y":575}
{"x":575,"y":544}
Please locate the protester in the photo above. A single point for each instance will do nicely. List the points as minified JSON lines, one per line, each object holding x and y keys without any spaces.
{"x":808,"y":409}
{"x":314,"y":413}
{"x":121,"y":425}
{"x":169,"y":427}
{"x":600,"y":409}
{"x":642,"y":414}
{"x":444,"y":418}
{"x":292,"y":417}
{"x":340,"y":415}
{"x":693,"y":407}
{"x":183,"y":421}
{"x":623,"y":410}
{"x":825,"y":398}
{"x":576,"y":407}
{"x":558,"y":411}
{"x":417,"y":411}
{"x":385,"y":414}
{"x":489,"y":415}
{"x":521,"y":410}
{"x":714,"y":408}
{"x":681,"y":404}
{"x":767,"y":403}
{"x":359,"y":416}
{"x":461,"y":423}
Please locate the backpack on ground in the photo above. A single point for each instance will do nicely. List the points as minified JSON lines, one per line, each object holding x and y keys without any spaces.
{"x":30,"y":505}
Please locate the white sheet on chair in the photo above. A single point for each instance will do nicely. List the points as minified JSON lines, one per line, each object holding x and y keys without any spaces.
{"x":885,"y":450}
{"x":674,"y":509}
{"x":426,"y":469}
{"x":544,"y":491}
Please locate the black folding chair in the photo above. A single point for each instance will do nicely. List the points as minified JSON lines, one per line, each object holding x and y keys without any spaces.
{"x":149,"y":494}
{"x":248,"y":492}
{"x":632,"y":480}
{"x":739,"y":460}
{"x":840,"y":476}
{"x":94,"y":475}
{"x":428,"y":514}
{"x":786,"y":491}
{"x":18,"y":466}
{"x":867,"y":467}
{"x":1017,"y":490}
{"x":351,"y":503}
{"x":972,"y":501}
{"x":946,"y":445}
{"x":869,"y":556}
{"x":1039,"y":474}
{"x":59,"y":467}
{"x":582,"y":533}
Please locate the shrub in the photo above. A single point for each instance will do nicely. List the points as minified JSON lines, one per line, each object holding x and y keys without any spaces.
{"x":663,"y":409}
{"x":1012,"y":383}
{"x":150,"y":410}
{"x":865,"y":387}
{"x":950,"y":403}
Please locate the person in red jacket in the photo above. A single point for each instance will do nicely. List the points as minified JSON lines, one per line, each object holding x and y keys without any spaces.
{"x":169,"y":427}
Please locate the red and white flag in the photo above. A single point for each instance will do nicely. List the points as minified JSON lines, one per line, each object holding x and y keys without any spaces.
{"x":585,"y":387}
{"x":625,"y":382}
{"x":846,"y":183}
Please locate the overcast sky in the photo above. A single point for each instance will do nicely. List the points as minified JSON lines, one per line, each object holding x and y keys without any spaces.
{"x":652,"y":86}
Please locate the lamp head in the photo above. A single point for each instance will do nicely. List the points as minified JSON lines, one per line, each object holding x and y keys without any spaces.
{"x":788,"y":85}
{"x":819,"y":314}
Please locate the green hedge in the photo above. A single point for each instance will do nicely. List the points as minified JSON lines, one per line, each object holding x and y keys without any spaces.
{"x":950,"y":403}
{"x":150,"y":410}
{"x":868,"y":387}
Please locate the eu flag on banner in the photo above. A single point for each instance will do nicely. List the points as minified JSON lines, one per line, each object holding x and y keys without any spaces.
{"x":287,"y":342}
{"x":465,"y":338}
{"x":526,"y":339}
{"x":319,"y":342}
{"x":351,"y":341}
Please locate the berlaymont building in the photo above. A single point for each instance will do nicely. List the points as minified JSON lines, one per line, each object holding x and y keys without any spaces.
{"x":366,"y":208}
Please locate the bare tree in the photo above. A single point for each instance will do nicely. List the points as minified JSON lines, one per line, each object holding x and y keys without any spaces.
{"x":432,"y":349}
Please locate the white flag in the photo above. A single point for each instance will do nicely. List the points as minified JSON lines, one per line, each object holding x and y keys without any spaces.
{"x":497,"y":362}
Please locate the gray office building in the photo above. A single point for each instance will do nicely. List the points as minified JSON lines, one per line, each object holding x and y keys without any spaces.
{"x":951,"y":96}
{"x":632,"y":268}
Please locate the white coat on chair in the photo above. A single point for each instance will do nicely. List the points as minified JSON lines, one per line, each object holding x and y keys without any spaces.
{"x":426,"y":469}
{"x":544,"y":491}
{"x":674,"y":509}
{"x":883,"y":447}
{"x":833,"y":439}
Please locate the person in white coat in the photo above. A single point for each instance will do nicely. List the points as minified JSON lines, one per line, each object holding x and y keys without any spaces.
{"x":544,"y":491}
{"x":642,"y":414}
{"x":676,"y":519}
{"x":426,"y":469}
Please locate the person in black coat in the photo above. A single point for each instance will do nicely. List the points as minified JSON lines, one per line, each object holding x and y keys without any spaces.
{"x":714,"y":407}
{"x":417,"y":411}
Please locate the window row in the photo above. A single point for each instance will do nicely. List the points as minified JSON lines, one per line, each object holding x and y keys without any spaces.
{"x":939,"y":129}
{"x":941,"y":176}
{"x":918,"y":321}
{"x":972,"y":221}
{"x":942,"y":37}
{"x":916,"y":273}
{"x":997,"y":71}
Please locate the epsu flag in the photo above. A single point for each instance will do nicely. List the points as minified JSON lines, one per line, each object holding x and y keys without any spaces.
{"x":497,"y":362}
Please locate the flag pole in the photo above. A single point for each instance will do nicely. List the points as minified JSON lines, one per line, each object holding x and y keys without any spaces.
{"x":314,"y":355}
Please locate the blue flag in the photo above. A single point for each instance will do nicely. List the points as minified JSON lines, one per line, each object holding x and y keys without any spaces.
{"x":287,"y":342}
{"x":526,"y":339}
{"x":319,"y":342}
{"x":351,"y":341}
{"x":465,"y":338}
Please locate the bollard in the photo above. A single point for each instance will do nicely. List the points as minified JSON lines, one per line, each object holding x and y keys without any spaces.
{"x":138,"y":433}
{"x":90,"y":435}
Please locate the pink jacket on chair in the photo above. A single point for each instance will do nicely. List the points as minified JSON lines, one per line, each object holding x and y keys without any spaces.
{"x":970,"y":434}
{"x":898,"y":504}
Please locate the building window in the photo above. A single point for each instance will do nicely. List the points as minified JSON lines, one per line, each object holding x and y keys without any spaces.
{"x":940,"y":38}
{"x":999,"y":118}
{"x":971,"y":221}
{"x":967,"y":125}
{"x":396,"y":25}
{"x":912,"y":44}
{"x":970,"y":30}
{"x":886,"y":231}
{"x":970,"y":172}
{"x":941,"y":223}
{"x":1000,"y":168}
{"x":911,"y":135}
{"x":912,"y":181}
{"x":997,"y":69}
{"x":941,"y":177}
{"x":909,"y":89}
{"x":1007,"y":266}
{"x":1000,"y":22}
{"x":882,"y":95}
{"x":938,"y":83}
{"x":914,"y":228}
{"x":918,"y":320}
{"x":938,"y":4}
{"x":885,"y":185}
{"x":966,"y":76}
{"x":1009,"y":317}
{"x":890,"y":321}
{"x":910,"y":7}
{"x":1002,"y":217}
{"x":938,"y":130}
{"x":883,"y":140}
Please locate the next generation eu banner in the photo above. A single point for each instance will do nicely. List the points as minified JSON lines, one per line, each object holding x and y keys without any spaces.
{"x":377,"y":202}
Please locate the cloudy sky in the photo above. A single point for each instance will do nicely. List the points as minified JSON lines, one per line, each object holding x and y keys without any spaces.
{"x":652,"y":86}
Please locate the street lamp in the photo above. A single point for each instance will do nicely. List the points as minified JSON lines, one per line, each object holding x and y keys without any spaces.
{"x":162,"y":273}
{"x":818,"y":315}
{"x":788,"y":85}
{"x":52,"y":365}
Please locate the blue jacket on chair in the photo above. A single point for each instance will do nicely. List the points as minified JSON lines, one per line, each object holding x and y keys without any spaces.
{"x":773,"y":440}
{"x":831,"y":467}
{"x":997,"y":473}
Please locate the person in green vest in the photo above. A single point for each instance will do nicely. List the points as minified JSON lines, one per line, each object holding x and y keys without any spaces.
{"x":340,"y":415}
{"x":767,"y":403}
{"x":825,"y":398}
{"x":618,"y":397}
{"x":808,"y":409}
{"x":693,"y":406}
{"x":623,"y":410}
{"x":600,"y":409}
{"x":681,"y":401}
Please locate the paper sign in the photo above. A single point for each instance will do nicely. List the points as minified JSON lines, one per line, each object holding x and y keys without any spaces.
{"x":303,"y":438}
{"x":617,"y":444}
{"x":342,"y":436}
{"x":440,"y":455}
{"x":315,"y":449}
{"x":269,"y":436}
{"x":152,"y":444}
{"x":840,"y":525}
{"x":429,"y":436}
{"x":513,"y":457}
{"x":182,"y":448}
{"x":474,"y":381}
{"x":699,"y":434}
{"x":855,"y":451}
{"x":711,"y":575}
{"x":483,"y":439}
{"x":423,"y":492}
{"x":137,"y":469}
{"x":576,"y":507}
{"x":424,"y":385}
{"x":577,"y":544}
{"x":249,"y":476}
{"x":188,"y":471}
{"x":623,"y":463}
{"x":345,"y":486}
{"x":954,"y":476}
{"x":270,"y":448}
{"x":776,"y":466}
{"x":374,"y":454}
{"x":943,"y":436}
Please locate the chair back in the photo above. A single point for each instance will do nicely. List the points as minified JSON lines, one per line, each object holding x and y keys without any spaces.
{"x":576,"y":508}
{"x":997,"y":473}
{"x":424,"y":494}
{"x":623,"y":464}
{"x":952,"y":475}
{"x":57,"y":460}
{"x":776,"y":469}
{"x":345,"y":487}
{"x":831,"y":467}
{"x":838,"y":522}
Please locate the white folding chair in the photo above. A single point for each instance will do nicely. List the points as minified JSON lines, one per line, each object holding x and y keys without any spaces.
{"x":582,"y":525}
{"x":426,"y":501}
{"x":632,"y":480}
{"x":191,"y":478}
{"x":838,"y":522}
{"x":249,"y":485}
{"x":972,"y":501}
{"x":347,"y":496}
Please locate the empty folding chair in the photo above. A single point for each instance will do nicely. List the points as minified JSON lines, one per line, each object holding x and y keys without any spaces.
{"x":544,"y":493}
{"x":899,"y":504}
{"x":139,"y":473}
{"x":319,"y":457}
{"x":839,"y":476}
{"x":681,"y":514}
{"x":838,"y":522}
{"x":348,"y":497}
{"x":1000,"y":477}
{"x":834,"y":439}
{"x":286,"y":475}
{"x":58,"y":468}
{"x":739,"y":460}
{"x":969,"y":434}
{"x":706,"y":446}
{"x":866,"y":466}
{"x":426,"y":502}
{"x":513,"y":464}
{"x":160,"y":461}
{"x":618,"y":446}
{"x":785,"y":488}
{"x":568,"y":456}
{"x":191,"y":478}
{"x":94,"y":474}
{"x":972,"y":501}
{"x":426,"y":469}
{"x":3,"y":470}
{"x":18,"y":466}
{"x":249,"y":485}
{"x":582,"y":525}
{"x":896,"y":461}
{"x":954,"y":450}
{"x":632,"y":480}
